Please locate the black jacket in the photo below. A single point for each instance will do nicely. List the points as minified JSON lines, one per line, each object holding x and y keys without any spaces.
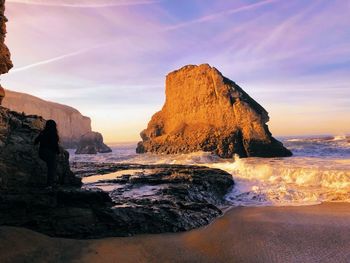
{"x":47,"y":142}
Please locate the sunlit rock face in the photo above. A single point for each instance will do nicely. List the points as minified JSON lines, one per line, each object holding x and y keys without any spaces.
{"x":205,"y":111}
{"x":71,"y":123}
{"x":2,"y":94}
{"x":5,"y":58}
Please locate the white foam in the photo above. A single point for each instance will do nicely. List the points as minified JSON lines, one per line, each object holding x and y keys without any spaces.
{"x":293,"y":181}
{"x":273,"y":181}
{"x":339,"y":138}
{"x":319,"y":172}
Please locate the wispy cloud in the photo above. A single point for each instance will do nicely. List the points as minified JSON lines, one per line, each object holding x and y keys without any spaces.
{"x":281,"y":52}
{"x":58,"y":58}
{"x":217,"y":15}
{"x":283,"y":30}
{"x":74,"y":4}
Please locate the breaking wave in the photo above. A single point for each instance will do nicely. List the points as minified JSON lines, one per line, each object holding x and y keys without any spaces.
{"x":318,"y":172}
{"x":294,"y":181}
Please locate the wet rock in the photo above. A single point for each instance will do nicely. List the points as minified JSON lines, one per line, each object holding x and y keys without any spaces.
{"x":160,"y":198}
{"x":136,"y":199}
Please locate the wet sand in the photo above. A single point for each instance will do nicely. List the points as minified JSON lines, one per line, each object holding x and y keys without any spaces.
{"x":319,"y":233}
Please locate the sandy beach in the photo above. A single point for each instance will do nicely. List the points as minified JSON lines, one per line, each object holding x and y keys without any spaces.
{"x":319,"y":233}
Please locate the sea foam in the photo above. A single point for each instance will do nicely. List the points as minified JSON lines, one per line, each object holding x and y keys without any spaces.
{"x":318,"y":172}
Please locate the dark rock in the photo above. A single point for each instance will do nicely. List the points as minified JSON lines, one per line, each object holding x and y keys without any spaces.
{"x":161,"y":198}
{"x":92,"y":143}
{"x":2,"y":94}
{"x":142,"y":199}
{"x":20,"y":165}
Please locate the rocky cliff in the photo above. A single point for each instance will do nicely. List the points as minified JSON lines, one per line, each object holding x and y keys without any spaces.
{"x":205,"y":111}
{"x":20,"y":166}
{"x":70,"y":122}
{"x":23,"y":199}
{"x":5,"y":58}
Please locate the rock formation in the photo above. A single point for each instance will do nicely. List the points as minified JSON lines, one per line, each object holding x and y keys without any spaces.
{"x":92,"y":143}
{"x":2,"y":94}
{"x":205,"y":111}
{"x":5,"y":59}
{"x":187,"y":197}
{"x":145,"y":199}
{"x":70,"y":122}
{"x":20,"y":165}
{"x":23,"y":199}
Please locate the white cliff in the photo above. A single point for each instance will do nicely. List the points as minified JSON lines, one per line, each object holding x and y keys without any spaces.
{"x":72,"y":125}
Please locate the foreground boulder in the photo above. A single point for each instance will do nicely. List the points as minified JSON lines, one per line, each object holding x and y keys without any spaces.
{"x":205,"y":111}
{"x":20,"y":165}
{"x":121,"y":200}
{"x":92,"y":143}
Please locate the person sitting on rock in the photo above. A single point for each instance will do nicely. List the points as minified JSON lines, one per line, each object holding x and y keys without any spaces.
{"x":49,"y":149}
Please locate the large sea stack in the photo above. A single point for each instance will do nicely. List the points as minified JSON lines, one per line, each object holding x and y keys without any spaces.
{"x":205,"y":111}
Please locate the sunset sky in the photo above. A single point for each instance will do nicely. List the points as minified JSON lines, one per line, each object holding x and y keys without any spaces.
{"x":109,"y":59}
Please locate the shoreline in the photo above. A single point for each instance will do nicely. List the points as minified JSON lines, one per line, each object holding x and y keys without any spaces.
{"x":318,"y":233}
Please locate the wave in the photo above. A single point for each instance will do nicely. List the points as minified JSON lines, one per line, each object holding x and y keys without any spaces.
{"x":319,"y":138}
{"x":294,"y":181}
{"x":325,"y":147}
{"x":272,"y":181}
{"x":340,"y":138}
{"x":318,"y":172}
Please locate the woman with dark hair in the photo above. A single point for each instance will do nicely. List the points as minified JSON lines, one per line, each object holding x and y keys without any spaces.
{"x":49,"y":149}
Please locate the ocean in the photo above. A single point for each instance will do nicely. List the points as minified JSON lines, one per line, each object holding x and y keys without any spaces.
{"x":319,"y":171}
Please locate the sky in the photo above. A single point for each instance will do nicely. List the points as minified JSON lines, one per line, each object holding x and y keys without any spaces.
{"x":109,"y":58}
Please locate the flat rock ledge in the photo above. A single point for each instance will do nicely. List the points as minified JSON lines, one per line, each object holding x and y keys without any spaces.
{"x":134,"y":199}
